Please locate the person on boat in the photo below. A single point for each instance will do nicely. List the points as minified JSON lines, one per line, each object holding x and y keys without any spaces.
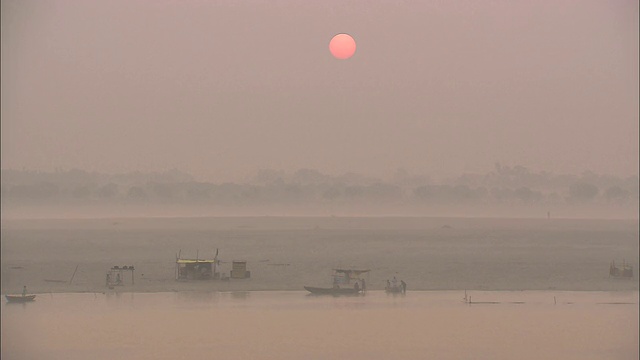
{"x":356,"y":286}
{"x":404,"y":286}
{"x":24,"y":290}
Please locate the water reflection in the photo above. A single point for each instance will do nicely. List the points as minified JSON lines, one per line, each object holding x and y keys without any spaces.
{"x":197,"y":296}
{"x":291,"y":325}
{"x":240,"y":295}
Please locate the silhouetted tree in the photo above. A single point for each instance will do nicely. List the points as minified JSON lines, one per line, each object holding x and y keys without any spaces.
{"x":616,"y":193}
{"x":163,"y":191}
{"x":136,"y":193}
{"x":81,"y":192}
{"x":109,"y":190}
{"x":331,"y":193}
{"x":582,"y":191}
{"x":527,"y":195}
{"x":198,"y":191}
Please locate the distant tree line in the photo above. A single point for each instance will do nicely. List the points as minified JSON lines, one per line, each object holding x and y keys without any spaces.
{"x":501,"y":185}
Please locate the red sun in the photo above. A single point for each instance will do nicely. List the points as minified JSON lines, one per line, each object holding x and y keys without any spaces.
{"x":342,"y":46}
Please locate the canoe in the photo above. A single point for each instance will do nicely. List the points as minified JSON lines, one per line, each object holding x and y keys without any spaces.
{"x":20,"y":298}
{"x":331,"y":291}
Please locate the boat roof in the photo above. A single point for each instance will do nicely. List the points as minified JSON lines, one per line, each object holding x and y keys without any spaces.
{"x":193,"y":261}
{"x":350,"y":271}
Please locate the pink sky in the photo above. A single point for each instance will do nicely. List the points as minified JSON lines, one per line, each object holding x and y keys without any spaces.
{"x":222,"y":88}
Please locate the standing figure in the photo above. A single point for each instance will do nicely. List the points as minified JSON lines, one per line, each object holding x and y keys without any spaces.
{"x":24,"y":290}
{"x":356,"y":286}
{"x":364,"y":285}
{"x":404,"y":286}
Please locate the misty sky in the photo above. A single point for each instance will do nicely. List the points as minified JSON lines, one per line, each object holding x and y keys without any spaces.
{"x":221,"y":89}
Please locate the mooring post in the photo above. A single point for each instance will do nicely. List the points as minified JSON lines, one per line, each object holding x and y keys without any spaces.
{"x":74,"y":274}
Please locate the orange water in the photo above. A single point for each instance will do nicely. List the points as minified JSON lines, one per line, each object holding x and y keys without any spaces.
{"x":293,"y":325}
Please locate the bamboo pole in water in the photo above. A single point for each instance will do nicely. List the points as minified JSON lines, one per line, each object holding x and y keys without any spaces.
{"x":74,"y":274}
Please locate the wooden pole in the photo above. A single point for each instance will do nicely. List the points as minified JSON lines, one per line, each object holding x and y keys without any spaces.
{"x":74,"y":273}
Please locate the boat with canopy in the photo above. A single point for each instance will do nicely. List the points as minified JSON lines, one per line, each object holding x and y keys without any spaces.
{"x":345,"y":282}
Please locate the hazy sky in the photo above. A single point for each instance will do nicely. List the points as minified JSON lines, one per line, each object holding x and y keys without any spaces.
{"x":221,"y":89}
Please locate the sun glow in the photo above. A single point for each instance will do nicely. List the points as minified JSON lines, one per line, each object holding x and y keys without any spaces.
{"x":342,"y":46}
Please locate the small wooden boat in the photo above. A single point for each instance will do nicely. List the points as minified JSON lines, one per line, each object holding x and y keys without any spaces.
{"x":332,"y":291}
{"x":19,"y":298}
{"x":345,"y":282}
{"x":624,"y":271}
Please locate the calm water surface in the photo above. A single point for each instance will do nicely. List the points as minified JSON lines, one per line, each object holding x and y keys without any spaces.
{"x":294,"y":325}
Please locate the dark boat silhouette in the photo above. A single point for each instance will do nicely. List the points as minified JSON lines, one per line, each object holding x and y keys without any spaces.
{"x":20,"y":298}
{"x":348,"y":278}
{"x":332,"y":291}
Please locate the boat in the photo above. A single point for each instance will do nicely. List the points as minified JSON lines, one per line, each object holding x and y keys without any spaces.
{"x":332,"y":291}
{"x":20,"y":298}
{"x":624,"y":271}
{"x":345,"y":282}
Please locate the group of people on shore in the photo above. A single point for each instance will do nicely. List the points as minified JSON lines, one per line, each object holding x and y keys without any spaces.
{"x":393,"y":286}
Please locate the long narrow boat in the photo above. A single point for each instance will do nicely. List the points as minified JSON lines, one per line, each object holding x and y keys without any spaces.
{"x":19,"y":298}
{"x":345,"y":282}
{"x":332,"y":291}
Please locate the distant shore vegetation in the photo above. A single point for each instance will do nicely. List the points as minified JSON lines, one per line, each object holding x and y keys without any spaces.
{"x":503,"y":185}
